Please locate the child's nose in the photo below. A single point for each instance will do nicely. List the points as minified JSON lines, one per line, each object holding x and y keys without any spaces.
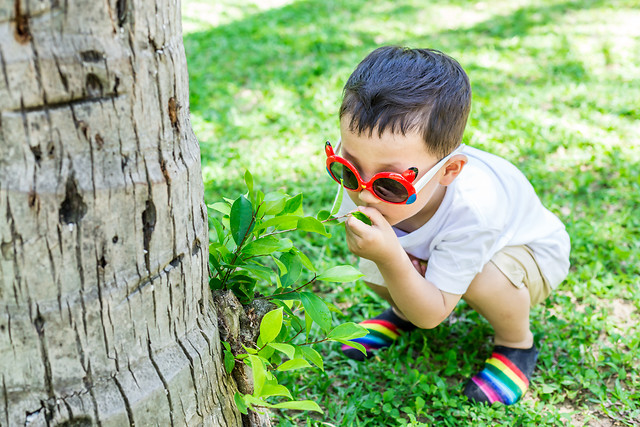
{"x":367,"y":197}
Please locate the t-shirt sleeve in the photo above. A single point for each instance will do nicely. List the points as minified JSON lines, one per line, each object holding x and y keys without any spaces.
{"x":458,"y":257}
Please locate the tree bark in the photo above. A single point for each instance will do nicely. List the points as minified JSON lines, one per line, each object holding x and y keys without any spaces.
{"x":105,"y":312}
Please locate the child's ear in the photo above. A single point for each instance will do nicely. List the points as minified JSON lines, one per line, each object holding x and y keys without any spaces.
{"x":453,"y":168}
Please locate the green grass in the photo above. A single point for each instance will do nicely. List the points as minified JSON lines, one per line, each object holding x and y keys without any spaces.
{"x":556,"y":87}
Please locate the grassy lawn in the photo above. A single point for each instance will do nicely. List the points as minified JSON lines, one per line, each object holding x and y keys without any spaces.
{"x":556,"y":91}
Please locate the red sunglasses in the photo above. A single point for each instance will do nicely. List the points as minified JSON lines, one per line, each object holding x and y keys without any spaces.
{"x":390,"y":187}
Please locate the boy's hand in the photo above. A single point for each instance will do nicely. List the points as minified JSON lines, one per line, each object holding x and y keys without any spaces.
{"x":376,"y":242}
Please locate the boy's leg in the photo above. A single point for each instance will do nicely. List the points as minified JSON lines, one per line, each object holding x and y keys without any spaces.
{"x":505,"y":376}
{"x":384,"y":329}
{"x":505,"y":307}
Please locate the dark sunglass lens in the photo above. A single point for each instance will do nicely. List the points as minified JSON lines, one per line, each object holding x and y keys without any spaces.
{"x":341,"y":172}
{"x":390,"y":190}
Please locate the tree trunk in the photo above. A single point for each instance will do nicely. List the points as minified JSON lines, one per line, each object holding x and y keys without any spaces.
{"x":105,"y":310}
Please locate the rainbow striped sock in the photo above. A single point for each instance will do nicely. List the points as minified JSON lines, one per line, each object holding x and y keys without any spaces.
{"x":384,"y":329}
{"x":505,"y":377}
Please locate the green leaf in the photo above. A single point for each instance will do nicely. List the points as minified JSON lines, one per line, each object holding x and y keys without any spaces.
{"x":293,"y":205}
{"x":275,"y":390}
{"x":362,"y":217}
{"x":281,"y":266}
{"x":276,"y":358}
{"x":241,"y":219}
{"x":304,"y":259}
{"x":229,"y":361}
{"x":341,"y":273}
{"x":353,"y":344}
{"x":292,"y":364}
{"x":313,"y":356}
{"x":220,"y":235}
{"x":248,"y":179}
{"x":348,"y":331}
{"x":419,"y":405}
{"x":239,"y":399}
{"x":296,"y":323}
{"x":249,"y":349}
{"x":294,"y":268}
{"x":337,"y":202}
{"x":267,"y":245}
{"x":224,"y":251}
{"x":333,"y":308}
{"x":323,"y":215}
{"x":273,"y":204}
{"x":270,"y":325}
{"x":215,"y":283}
{"x":252,"y":401}
{"x":266,"y":352}
{"x":259,"y":374}
{"x":287,"y":349}
{"x":222,"y":207}
{"x":299,"y":405}
{"x":317,"y":309}
{"x":291,"y":296}
{"x":259,"y":271}
{"x":310,"y":224}
{"x":308,"y":323}
{"x":289,"y":220}
{"x":259,"y":198}
{"x":242,"y":286}
{"x":213,"y":260}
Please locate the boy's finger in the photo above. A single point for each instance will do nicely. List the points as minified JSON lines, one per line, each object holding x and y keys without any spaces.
{"x":374,"y":215}
{"x":355,"y":226}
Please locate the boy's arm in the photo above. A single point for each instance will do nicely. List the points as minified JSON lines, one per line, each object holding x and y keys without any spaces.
{"x":420,"y":301}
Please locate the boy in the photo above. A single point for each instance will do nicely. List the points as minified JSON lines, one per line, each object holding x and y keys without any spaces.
{"x":448,"y":221}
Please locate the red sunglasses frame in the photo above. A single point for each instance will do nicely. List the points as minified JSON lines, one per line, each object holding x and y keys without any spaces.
{"x":405,"y":179}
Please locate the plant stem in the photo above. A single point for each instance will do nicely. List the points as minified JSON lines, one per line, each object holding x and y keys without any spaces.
{"x":294,"y":229}
{"x":293,"y":337}
{"x":237,"y":252}
{"x":293,"y":290}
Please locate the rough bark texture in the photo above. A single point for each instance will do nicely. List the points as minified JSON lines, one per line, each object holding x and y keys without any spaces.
{"x":105,"y":311}
{"x":240,"y":326}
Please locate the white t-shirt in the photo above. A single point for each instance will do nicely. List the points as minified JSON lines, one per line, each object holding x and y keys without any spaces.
{"x":489,"y":206}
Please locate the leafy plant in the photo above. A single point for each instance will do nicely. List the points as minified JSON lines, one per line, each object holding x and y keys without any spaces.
{"x":249,"y":256}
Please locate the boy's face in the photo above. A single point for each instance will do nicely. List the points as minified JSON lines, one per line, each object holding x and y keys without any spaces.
{"x":392,"y":153}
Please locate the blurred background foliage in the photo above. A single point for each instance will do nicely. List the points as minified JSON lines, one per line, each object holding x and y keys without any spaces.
{"x":555,"y":85}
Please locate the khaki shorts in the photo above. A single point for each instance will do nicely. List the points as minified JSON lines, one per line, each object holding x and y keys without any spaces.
{"x":521,"y":268}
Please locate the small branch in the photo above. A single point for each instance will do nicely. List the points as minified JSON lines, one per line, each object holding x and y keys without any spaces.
{"x":294,"y":229}
{"x":294,"y":337}
{"x":293,"y":290}
{"x":315,"y":342}
{"x":237,"y":252}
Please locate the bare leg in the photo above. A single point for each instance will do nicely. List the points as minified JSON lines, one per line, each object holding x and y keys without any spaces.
{"x":503,"y":305}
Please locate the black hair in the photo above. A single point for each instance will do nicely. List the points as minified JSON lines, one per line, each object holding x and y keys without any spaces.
{"x":404,"y":90}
